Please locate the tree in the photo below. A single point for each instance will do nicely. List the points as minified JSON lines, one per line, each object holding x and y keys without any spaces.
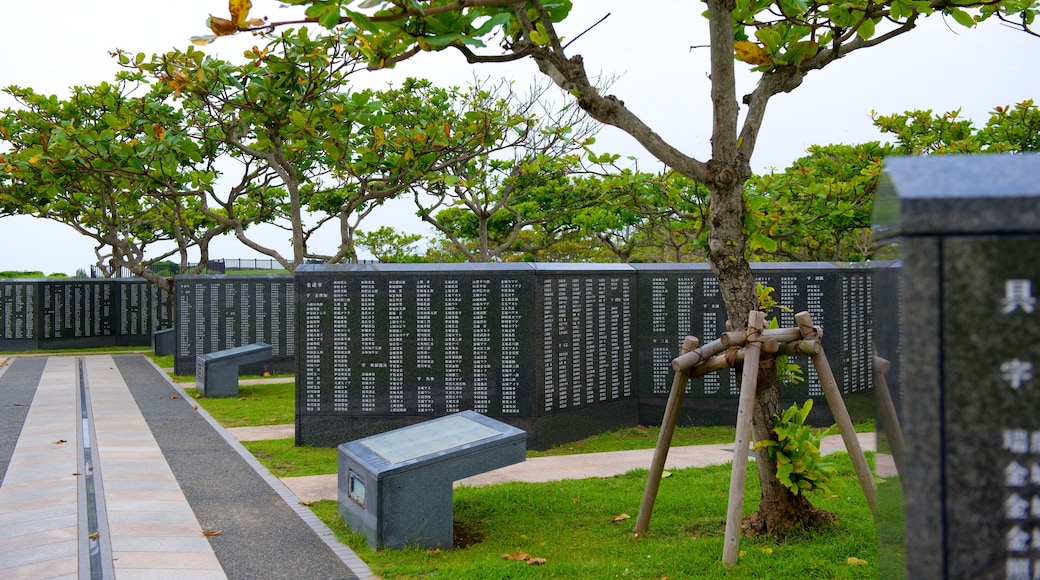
{"x":1008,"y":129}
{"x":310,"y":151}
{"x":262,"y":115}
{"x":818,"y":209}
{"x":792,"y":39}
{"x":390,"y":246}
{"x":113,"y":166}
{"x":522,"y":180}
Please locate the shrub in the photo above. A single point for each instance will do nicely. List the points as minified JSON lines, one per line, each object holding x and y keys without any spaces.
{"x":799,"y":466}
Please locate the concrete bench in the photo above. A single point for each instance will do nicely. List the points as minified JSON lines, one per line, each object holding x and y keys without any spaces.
{"x":396,"y":488}
{"x":164,"y":341}
{"x":216,"y":373}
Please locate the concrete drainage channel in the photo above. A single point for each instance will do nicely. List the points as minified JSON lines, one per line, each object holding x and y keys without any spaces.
{"x":92,"y":524}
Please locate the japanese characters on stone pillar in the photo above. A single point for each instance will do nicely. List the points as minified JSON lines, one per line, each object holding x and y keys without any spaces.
{"x":1022,"y":472}
{"x":968,"y":231}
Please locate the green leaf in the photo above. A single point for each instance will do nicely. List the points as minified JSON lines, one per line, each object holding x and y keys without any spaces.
{"x":492,"y":23}
{"x":539,"y":36}
{"x":962,"y":17}
{"x":360,"y":20}
{"x":441,"y":40}
{"x":762,"y":241}
{"x":866,"y":30}
{"x":770,"y":38}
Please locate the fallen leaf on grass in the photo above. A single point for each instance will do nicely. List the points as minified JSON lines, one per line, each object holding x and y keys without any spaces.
{"x":665,"y":474}
{"x":854,"y":561}
{"x":518,"y":556}
{"x":305,"y":502}
{"x":619,"y":518}
{"x":524,"y":557}
{"x":212,"y":532}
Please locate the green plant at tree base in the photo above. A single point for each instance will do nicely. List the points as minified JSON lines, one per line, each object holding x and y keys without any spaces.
{"x":799,"y":466}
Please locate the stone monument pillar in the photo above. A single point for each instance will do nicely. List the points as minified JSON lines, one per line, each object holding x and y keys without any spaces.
{"x":967,"y":229}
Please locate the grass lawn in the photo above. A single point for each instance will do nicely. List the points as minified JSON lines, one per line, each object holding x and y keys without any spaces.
{"x":284,"y":459}
{"x":80,"y":351}
{"x":570,"y":524}
{"x":255,"y":405}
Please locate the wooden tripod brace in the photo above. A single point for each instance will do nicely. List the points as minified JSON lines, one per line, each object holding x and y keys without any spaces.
{"x":693,"y":361}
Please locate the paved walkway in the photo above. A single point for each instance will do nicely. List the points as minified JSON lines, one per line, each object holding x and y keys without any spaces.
{"x":108,"y":471}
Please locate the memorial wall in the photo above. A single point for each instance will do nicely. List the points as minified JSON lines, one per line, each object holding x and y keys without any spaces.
{"x":549,"y":348}
{"x":80,"y":313}
{"x":217,"y":312}
{"x":561,"y":351}
{"x":676,"y":300}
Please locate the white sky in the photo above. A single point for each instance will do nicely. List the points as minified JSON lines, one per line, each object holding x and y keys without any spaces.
{"x":50,"y":45}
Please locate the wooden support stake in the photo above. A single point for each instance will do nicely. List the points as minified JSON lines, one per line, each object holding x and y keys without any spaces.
{"x":664,"y":442}
{"x":738,"y":477}
{"x":841,"y":414}
{"x":768,"y":345}
{"x":737,"y":337}
{"x":715,"y":363}
{"x":697,"y":356}
{"x":887,"y":410}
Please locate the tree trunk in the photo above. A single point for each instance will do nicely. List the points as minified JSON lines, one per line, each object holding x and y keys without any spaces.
{"x":779,"y":509}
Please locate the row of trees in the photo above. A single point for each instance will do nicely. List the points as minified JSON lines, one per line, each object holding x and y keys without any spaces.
{"x":818,"y":209}
{"x":183,"y":148}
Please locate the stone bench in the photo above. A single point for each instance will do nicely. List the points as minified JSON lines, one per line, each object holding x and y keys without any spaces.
{"x":216,"y":373}
{"x":396,"y":487}
{"x":164,"y":341}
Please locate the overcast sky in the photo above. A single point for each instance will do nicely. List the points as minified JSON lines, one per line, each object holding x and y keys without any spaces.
{"x":50,"y":45}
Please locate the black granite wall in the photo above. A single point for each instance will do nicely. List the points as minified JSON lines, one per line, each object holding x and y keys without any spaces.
{"x":389,"y":345}
{"x":561,"y":351}
{"x":217,"y":312}
{"x":80,"y":313}
{"x":675,"y":300}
